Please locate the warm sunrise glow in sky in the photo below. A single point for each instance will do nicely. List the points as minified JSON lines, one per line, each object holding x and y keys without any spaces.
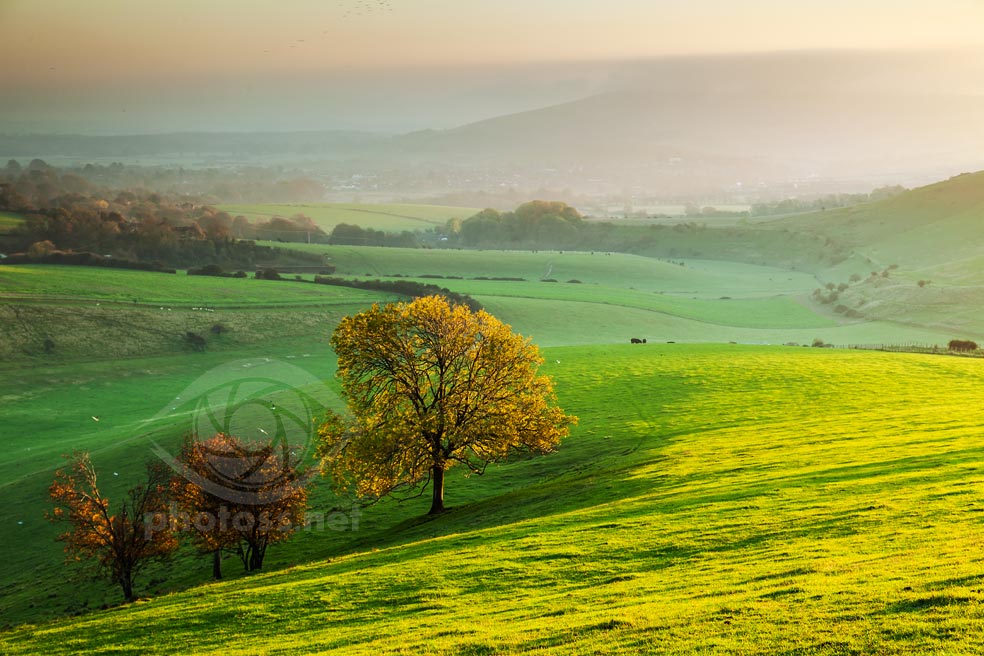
{"x":74,"y":50}
{"x":93,"y":40}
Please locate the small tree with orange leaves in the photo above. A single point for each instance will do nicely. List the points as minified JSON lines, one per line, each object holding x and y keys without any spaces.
{"x":430,"y":385}
{"x":121,"y":542}
{"x":238,"y":496}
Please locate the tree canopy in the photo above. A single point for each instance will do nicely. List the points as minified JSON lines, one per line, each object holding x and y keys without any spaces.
{"x":121,"y":542}
{"x":429,"y":385}
{"x":239,"y":496}
{"x":536,"y":223}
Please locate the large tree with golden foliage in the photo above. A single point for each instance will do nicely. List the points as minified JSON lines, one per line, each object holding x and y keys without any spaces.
{"x":429,"y":385}
{"x":121,"y":542}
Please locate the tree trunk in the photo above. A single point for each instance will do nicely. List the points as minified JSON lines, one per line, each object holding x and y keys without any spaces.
{"x":217,"y":565}
{"x":126,"y":582}
{"x":256,"y":559}
{"x":437,"y":481}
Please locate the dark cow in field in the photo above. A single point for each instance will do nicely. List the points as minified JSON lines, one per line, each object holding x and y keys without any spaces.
{"x":962,"y":345}
{"x":636,"y":340}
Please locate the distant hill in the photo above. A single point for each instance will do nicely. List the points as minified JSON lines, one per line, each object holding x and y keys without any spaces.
{"x":810,"y":122}
{"x":930,"y":228}
{"x":919,"y":256}
{"x":692,"y":123}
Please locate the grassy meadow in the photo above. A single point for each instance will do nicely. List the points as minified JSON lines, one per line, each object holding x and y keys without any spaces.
{"x":713,"y":499}
{"x":9,"y":220}
{"x":393,"y":217}
{"x":74,"y":283}
{"x":721,"y":493}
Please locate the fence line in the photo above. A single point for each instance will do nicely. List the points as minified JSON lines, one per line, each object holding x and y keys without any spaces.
{"x":911,"y":347}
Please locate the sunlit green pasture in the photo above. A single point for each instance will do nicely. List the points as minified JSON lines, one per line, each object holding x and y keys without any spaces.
{"x":713,"y":499}
{"x":9,"y":220}
{"x":557,"y":323}
{"x":696,"y":277}
{"x":771,"y":312}
{"x":49,"y":283}
{"x":388,"y":217}
{"x":120,"y":410}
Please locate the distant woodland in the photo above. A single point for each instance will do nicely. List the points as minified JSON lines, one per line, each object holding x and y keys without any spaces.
{"x":68,"y":211}
{"x":85,"y":210}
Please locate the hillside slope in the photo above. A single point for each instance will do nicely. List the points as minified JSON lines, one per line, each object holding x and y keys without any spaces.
{"x":678,"y":125}
{"x":724,"y":499}
{"x":924,"y":252}
{"x":922,"y":229}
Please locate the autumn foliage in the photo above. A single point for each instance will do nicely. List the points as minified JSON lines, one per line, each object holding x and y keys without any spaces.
{"x":238,"y":496}
{"x":120,"y":542}
{"x":429,"y":385}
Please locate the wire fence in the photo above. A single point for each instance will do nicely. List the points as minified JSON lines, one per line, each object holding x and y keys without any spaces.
{"x":913,"y":347}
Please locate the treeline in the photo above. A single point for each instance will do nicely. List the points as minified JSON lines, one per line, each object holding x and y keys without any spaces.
{"x":241,"y":185}
{"x":557,"y":226}
{"x":819,"y":204}
{"x":539,"y":223}
{"x":346,"y":234}
{"x":64,"y":213}
{"x":409,"y":288}
{"x":43,"y":253}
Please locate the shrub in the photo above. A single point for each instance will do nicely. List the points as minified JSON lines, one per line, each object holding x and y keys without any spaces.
{"x":195,"y":341}
{"x":208,"y":270}
{"x":404,"y":287}
{"x":962,"y":345}
{"x":41,"y":249}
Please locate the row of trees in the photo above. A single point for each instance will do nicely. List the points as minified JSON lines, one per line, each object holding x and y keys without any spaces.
{"x":223,"y":494}
{"x":348,"y":234}
{"x":539,"y":223}
{"x":428,"y":385}
{"x":213,"y":185}
{"x":155,"y":229}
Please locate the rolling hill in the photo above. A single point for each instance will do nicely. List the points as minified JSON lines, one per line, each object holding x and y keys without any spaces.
{"x":936,"y":227}
{"x":725,"y":499}
{"x":696,"y":124}
{"x":926,"y":246}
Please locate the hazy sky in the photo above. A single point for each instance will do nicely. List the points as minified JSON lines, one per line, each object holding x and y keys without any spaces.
{"x":178,"y":64}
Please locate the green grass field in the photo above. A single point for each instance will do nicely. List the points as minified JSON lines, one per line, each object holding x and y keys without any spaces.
{"x":714,"y":499}
{"x":76,"y":283}
{"x":703,"y":278}
{"x":387,"y":217}
{"x":9,"y":220}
